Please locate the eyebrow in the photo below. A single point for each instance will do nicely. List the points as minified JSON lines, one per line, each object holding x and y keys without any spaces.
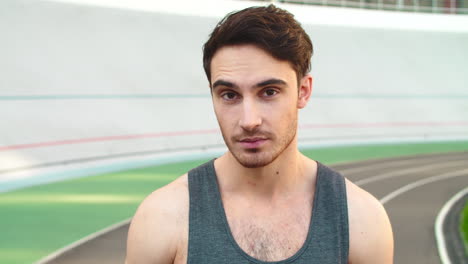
{"x":223,"y":83}
{"x":260,"y":84}
{"x":270,"y":82}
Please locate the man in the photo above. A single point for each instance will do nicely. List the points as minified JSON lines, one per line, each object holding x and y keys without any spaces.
{"x":262,"y":201}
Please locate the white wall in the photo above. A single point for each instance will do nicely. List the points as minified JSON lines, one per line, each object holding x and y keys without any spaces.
{"x":81,"y":81}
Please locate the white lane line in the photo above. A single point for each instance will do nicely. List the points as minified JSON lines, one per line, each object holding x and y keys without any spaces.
{"x":439,"y":224}
{"x":61,"y":251}
{"x":405,"y":172}
{"x":422,"y":182}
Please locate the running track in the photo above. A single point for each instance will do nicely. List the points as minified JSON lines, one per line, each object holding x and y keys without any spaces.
{"x":434,"y":179}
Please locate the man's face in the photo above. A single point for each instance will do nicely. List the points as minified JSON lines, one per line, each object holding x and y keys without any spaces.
{"x":255,"y":98}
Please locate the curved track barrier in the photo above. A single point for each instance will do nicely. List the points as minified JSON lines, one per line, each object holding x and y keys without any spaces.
{"x":86,"y":82}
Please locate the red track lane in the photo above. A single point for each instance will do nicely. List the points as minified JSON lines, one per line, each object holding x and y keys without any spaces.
{"x":214,"y":131}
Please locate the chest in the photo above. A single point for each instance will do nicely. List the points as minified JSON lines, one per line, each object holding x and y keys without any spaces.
{"x":270,"y":234}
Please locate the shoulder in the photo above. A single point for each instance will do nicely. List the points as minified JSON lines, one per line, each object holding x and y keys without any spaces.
{"x":370,"y":232}
{"x":159,"y":228}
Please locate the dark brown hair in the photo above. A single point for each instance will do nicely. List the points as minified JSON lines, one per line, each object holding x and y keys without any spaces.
{"x":270,"y":28}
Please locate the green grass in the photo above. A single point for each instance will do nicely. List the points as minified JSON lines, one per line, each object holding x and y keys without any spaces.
{"x":38,"y":220}
{"x":464,"y":226}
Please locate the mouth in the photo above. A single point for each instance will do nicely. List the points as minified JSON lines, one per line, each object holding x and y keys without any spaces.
{"x":252,"y":142}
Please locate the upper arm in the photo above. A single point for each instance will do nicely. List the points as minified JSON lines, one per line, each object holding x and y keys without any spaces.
{"x":370,"y":231}
{"x":158,"y":226}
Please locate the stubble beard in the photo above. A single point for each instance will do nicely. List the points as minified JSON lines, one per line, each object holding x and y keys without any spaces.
{"x":256,"y":158}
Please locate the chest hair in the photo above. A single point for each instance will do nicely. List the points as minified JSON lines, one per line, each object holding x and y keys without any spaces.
{"x":271,"y":237}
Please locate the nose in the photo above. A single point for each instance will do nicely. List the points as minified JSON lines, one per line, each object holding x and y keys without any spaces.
{"x":251,"y":118}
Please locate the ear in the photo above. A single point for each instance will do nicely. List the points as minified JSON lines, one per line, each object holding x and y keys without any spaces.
{"x":305,"y":91}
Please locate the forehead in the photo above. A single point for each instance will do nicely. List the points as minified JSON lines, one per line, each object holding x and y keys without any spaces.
{"x":248,"y":64}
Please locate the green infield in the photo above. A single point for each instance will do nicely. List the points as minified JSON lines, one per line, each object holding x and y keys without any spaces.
{"x":38,"y":220}
{"x":464,"y":226}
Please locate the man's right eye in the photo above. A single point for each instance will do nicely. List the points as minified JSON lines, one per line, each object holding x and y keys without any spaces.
{"x":229,"y":96}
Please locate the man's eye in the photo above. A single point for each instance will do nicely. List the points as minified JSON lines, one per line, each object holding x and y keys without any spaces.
{"x":269,"y":92}
{"x":229,"y":96}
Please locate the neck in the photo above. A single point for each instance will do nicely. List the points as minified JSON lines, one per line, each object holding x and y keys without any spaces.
{"x":286,"y":175}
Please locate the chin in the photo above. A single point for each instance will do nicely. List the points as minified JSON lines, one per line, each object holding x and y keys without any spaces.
{"x":254,"y":160}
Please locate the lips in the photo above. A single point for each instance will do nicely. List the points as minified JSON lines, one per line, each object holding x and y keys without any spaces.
{"x":252,"y":142}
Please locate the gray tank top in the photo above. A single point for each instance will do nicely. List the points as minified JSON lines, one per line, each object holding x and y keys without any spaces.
{"x":211,"y":241}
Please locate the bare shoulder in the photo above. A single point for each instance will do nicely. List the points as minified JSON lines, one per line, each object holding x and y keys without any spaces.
{"x":159,"y":229}
{"x":370,"y":231}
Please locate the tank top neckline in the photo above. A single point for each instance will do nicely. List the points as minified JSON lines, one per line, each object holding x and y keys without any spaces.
{"x":222,"y":213}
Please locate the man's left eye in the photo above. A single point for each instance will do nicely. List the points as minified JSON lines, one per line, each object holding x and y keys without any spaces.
{"x":270,"y":92}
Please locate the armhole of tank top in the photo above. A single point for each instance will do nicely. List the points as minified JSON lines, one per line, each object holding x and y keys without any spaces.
{"x":345,"y":218}
{"x":195,"y":182}
{"x":340,"y":183}
{"x":191,"y":184}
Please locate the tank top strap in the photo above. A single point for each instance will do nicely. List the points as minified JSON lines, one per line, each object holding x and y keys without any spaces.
{"x":329,"y":228}
{"x":208,"y":239}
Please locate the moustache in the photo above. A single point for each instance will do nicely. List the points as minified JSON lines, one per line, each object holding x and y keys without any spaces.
{"x":245,"y":136}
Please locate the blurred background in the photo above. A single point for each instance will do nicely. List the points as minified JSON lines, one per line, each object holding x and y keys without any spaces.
{"x":426,"y":6}
{"x":104,"y":101}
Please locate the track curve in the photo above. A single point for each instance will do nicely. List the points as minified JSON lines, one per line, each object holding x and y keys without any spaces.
{"x":418,"y":187}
